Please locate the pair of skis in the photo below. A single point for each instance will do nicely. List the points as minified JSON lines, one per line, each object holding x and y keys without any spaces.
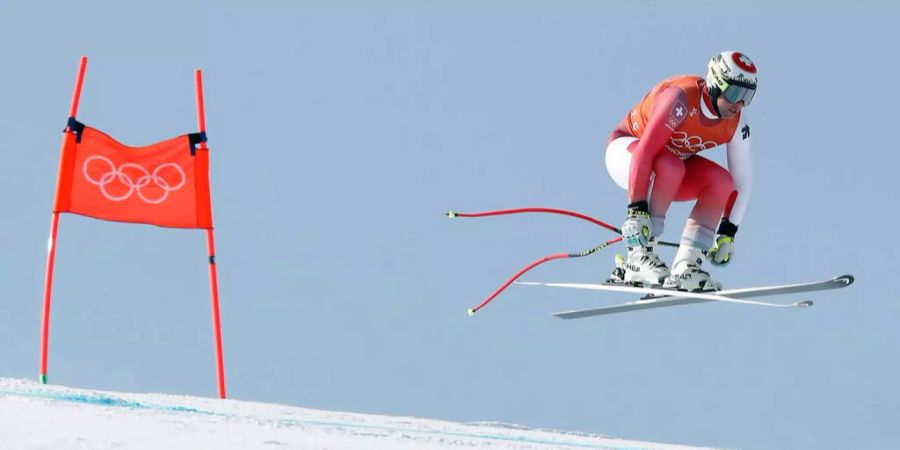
{"x":653,"y":297}
{"x":660,"y":297}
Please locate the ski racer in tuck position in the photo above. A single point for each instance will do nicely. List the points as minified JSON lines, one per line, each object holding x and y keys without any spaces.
{"x":658,"y":144}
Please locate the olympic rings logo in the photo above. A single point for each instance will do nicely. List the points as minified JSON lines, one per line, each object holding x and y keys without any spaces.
{"x":680,"y":139}
{"x":135,"y":177}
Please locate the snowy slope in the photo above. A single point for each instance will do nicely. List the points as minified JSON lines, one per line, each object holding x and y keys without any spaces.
{"x":34,"y":416}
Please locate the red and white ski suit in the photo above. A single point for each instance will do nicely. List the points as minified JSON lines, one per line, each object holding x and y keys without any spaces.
{"x":659,"y":141}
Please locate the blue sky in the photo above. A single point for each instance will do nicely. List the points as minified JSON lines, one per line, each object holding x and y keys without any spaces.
{"x":341,"y":133}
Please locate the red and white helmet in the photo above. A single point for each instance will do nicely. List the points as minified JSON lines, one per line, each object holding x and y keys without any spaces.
{"x":733,"y":76}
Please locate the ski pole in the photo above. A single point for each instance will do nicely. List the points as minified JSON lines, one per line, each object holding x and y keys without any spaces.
{"x":538,"y":262}
{"x":502,"y":212}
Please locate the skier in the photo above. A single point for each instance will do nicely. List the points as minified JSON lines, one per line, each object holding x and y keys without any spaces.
{"x":657,"y":144}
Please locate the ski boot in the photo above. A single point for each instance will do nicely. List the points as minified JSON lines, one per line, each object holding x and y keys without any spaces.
{"x":641,"y":267}
{"x":687,"y":274}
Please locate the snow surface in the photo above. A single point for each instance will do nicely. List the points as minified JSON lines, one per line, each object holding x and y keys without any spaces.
{"x":35,"y":416}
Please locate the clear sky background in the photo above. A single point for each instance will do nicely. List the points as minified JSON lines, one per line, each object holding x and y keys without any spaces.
{"x":341,"y":133}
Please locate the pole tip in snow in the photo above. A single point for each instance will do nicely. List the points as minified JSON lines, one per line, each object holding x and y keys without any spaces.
{"x":451,"y":214}
{"x":43,"y":378}
{"x":471,"y":312}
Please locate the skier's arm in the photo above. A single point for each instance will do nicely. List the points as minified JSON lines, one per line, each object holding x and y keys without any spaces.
{"x":669,"y":111}
{"x":739,"y":165}
{"x":741,"y":169}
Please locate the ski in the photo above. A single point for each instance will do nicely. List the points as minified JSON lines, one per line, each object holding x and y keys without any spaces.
{"x":659,"y":298}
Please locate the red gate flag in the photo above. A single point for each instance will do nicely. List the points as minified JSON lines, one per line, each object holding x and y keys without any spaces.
{"x":164,"y":184}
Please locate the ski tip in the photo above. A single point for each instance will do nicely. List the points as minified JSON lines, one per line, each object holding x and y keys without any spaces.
{"x":451,"y":214}
{"x":470,"y":312}
{"x":846,"y":280}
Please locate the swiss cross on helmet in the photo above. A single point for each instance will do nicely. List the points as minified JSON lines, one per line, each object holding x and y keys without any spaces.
{"x":731,"y":75}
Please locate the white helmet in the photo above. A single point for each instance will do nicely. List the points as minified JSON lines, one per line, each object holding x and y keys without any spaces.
{"x":733,"y":76}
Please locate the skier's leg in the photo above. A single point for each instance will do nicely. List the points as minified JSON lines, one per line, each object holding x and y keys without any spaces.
{"x":642,"y":265}
{"x":669,"y":170}
{"x":711,"y":185}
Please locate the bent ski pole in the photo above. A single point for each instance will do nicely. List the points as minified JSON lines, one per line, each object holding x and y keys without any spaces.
{"x":538,"y":262}
{"x":502,"y":212}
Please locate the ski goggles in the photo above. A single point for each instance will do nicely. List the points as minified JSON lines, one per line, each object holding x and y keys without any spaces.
{"x":735,"y":91}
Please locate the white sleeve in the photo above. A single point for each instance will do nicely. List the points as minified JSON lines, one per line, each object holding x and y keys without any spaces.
{"x":741,"y":169}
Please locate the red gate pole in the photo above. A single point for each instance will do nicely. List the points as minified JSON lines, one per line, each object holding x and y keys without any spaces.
{"x":211,"y":250}
{"x":51,"y":243}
